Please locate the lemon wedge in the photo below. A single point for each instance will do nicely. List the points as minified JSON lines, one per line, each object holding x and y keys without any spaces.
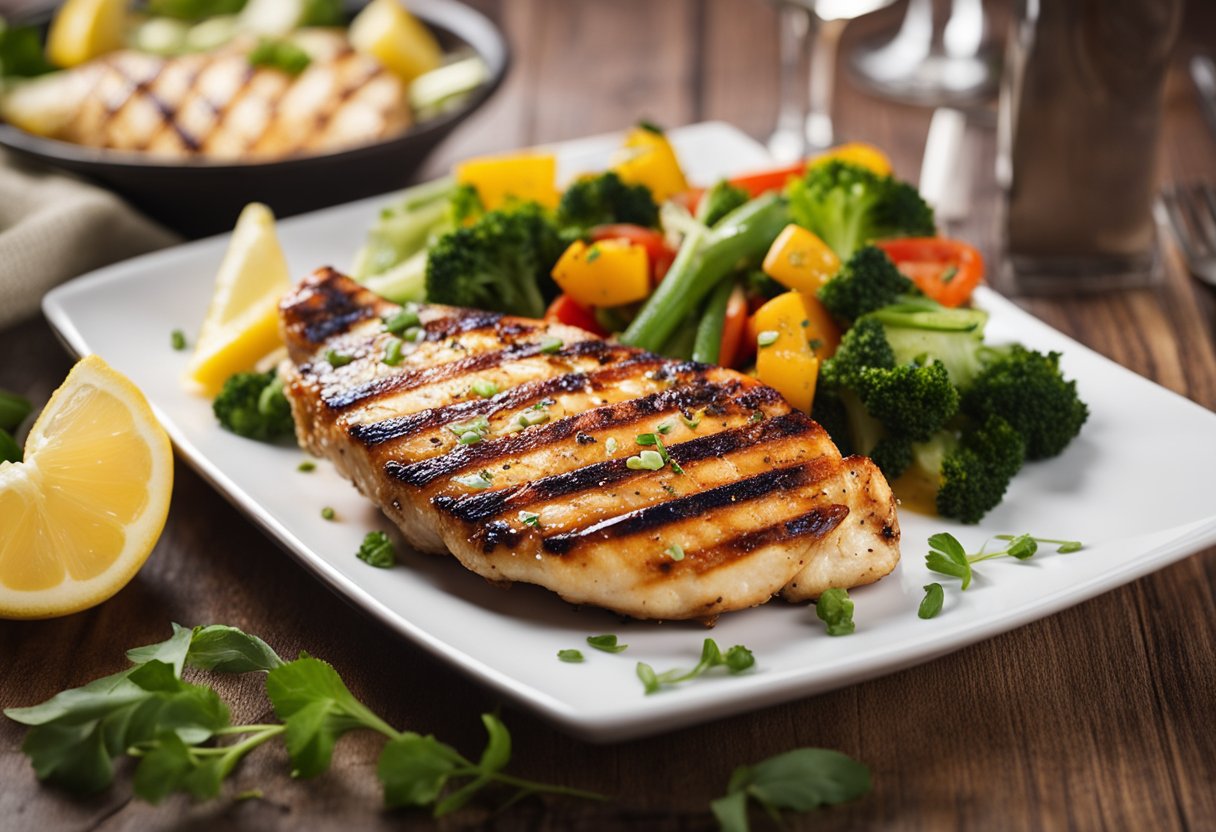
{"x":85,"y":29}
{"x":84,"y":510}
{"x":242,"y":323}
{"x":390,"y":34}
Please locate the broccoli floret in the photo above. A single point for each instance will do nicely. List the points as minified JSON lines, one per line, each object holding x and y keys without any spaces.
{"x":1027,"y":389}
{"x":501,"y":262}
{"x":864,"y":346}
{"x":603,"y":199}
{"x":849,"y":206}
{"x":975,"y":474}
{"x":719,"y":201}
{"x":253,"y":405}
{"x":867,"y":281}
{"x":465,"y":206}
{"x":892,"y":455}
{"x":912,"y":401}
{"x":760,"y":285}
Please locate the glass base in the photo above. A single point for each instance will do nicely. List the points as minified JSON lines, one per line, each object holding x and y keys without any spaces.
{"x":932,"y":80}
{"x":1022,"y":274}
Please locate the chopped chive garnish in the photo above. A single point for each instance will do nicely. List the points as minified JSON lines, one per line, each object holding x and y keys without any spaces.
{"x":530,"y":518}
{"x":551,"y":344}
{"x":485,"y":389}
{"x":645,"y":461}
{"x":377,"y":550}
{"x":570,"y":656}
{"x":470,"y":438}
{"x":337,"y":359}
{"x":694,"y":421}
{"x":178,"y":339}
{"x":479,"y":426}
{"x":479,"y":481}
{"x":328,"y":513}
{"x":610,"y":445}
{"x":757,"y":416}
{"x":403,"y":320}
{"x":606,"y":642}
{"x":393,"y":353}
{"x":593,"y":254}
{"x":414,"y":334}
{"x":675,"y":551}
{"x":767,"y":338}
{"x":664,"y":428}
{"x":646,"y":439}
{"x":306,"y":466}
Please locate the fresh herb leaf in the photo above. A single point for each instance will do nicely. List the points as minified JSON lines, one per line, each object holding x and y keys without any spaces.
{"x":21,"y":53}
{"x":570,"y":656}
{"x":282,"y":55}
{"x":798,"y":780}
{"x":394,"y":352}
{"x":645,"y":461}
{"x":228,"y":650}
{"x":947,"y":557}
{"x":1064,"y":546}
{"x":551,"y":344}
{"x":377,"y":550}
{"x":675,"y":551}
{"x":13,"y":410}
{"x":336,"y":359}
{"x":177,"y":340}
{"x":835,"y":609}
{"x":306,"y":467}
{"x":10,"y":451}
{"x":530,"y":518}
{"x":932,"y":603}
{"x":485,"y":389}
{"x":479,"y":481}
{"x":606,"y":642}
{"x":736,"y":660}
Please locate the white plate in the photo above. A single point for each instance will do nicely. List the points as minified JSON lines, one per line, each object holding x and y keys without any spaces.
{"x":1137,"y":504}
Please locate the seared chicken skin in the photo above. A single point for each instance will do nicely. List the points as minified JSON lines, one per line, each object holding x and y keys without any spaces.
{"x":216,"y":105}
{"x":753,"y":500}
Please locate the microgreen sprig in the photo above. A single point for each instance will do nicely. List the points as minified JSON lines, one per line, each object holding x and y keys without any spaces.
{"x":835,"y":609}
{"x":948,"y":557}
{"x":736,"y":660}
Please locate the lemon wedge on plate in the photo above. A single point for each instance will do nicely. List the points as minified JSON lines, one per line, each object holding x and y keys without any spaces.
{"x":84,"y":510}
{"x":242,"y":323}
{"x":84,"y":29}
{"x":390,"y":34}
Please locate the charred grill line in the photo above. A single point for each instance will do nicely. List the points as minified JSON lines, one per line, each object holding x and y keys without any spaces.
{"x":410,"y":380}
{"x":328,"y":310}
{"x":686,"y":508}
{"x":377,"y":433}
{"x":697,"y":393}
{"x":478,"y":507}
{"x":815,"y":523}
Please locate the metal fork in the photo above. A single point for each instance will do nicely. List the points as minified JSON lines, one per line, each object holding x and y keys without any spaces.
{"x":1191,"y":210}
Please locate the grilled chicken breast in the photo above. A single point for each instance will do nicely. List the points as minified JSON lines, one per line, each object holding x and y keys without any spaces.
{"x":216,"y":105}
{"x":753,"y":500}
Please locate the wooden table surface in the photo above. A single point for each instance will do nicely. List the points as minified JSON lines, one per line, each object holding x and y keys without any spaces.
{"x":1101,"y":716}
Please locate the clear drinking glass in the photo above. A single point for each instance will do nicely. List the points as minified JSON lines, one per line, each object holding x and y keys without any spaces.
{"x":804,"y":120}
{"x":1080,"y":118}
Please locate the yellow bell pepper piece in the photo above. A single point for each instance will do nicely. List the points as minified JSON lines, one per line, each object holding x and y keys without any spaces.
{"x":390,"y":34}
{"x":520,"y":177}
{"x":798,"y":259}
{"x":857,"y":153}
{"x":792,"y":374}
{"x":607,"y":273}
{"x":823,"y":332}
{"x":647,"y":158}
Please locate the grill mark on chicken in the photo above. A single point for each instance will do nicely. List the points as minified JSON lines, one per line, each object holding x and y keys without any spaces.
{"x":329,"y":310}
{"x":343,"y":399}
{"x":657,"y":516}
{"x":814,"y":524}
{"x":697,"y":393}
{"x":474,"y":508}
{"x":388,"y":430}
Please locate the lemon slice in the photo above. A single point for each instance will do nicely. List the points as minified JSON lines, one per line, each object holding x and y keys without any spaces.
{"x":85,"y":29}
{"x":394,"y":37}
{"x":83,"y":511}
{"x":242,"y":324}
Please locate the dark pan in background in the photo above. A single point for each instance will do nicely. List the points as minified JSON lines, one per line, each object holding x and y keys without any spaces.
{"x":198,"y":198}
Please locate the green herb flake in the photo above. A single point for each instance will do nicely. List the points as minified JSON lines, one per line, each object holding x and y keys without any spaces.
{"x":570,"y":656}
{"x":393,"y":352}
{"x":948,"y":275}
{"x":675,"y":551}
{"x":692,"y":422}
{"x":756,"y":417}
{"x":645,"y":461}
{"x":306,"y":467}
{"x":328,"y":513}
{"x":593,"y":254}
{"x":767,"y":338}
{"x":402,"y":320}
{"x":663,"y":428}
{"x":607,"y":643}
{"x":550,"y":344}
{"x":337,"y":359}
{"x":377,"y":550}
{"x":479,"y":481}
{"x":530,"y":518}
{"x":835,"y":609}
{"x":414,"y":334}
{"x":932,"y":603}
{"x":649,"y":126}
{"x":485,"y":389}
{"x":476,"y":429}
{"x":177,"y":340}
{"x":281,"y":55}
{"x":610,"y":445}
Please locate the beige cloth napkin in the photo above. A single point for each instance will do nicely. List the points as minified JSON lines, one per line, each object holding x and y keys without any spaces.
{"x":54,"y":227}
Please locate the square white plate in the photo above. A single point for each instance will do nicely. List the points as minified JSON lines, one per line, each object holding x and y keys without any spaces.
{"x":1138,"y":506}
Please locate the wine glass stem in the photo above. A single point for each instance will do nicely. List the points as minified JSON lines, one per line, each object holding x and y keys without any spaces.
{"x":819,"y":132}
{"x":788,"y":141}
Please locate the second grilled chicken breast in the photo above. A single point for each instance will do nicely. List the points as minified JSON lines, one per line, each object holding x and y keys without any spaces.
{"x":216,"y":105}
{"x":519,"y":446}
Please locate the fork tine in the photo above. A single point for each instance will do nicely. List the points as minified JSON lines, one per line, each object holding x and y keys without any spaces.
{"x":1182,"y":233}
{"x":1203,"y":220}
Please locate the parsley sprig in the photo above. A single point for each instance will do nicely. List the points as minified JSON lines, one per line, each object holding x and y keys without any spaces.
{"x":798,"y":780}
{"x":736,"y":660}
{"x":179,"y":731}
